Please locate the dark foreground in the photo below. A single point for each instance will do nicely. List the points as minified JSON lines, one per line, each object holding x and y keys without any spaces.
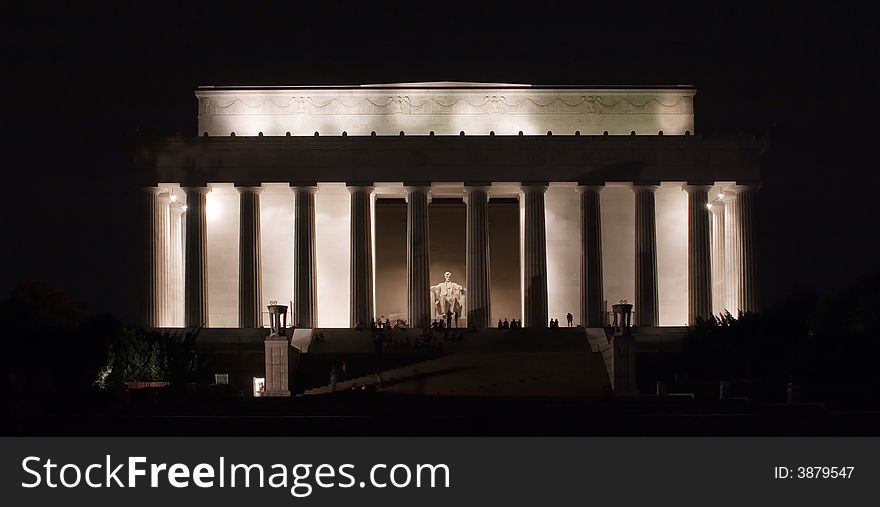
{"x":366,"y":413}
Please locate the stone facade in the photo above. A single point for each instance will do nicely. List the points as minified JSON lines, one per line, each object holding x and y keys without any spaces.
{"x":611,"y":184}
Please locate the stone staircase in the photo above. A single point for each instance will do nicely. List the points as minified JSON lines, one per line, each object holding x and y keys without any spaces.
{"x":556,"y":362}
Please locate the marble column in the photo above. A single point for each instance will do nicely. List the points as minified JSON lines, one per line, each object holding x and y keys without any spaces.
{"x":732,"y":255}
{"x":164,"y":267}
{"x":534,"y":256}
{"x":250,"y":270}
{"x":175,"y":268}
{"x":717,"y":209}
{"x":154,"y":248}
{"x":361,"y":256}
{"x":646,"y":304}
{"x":477,"y":298}
{"x":418,"y":265}
{"x":304,"y":261}
{"x":591,"y":256}
{"x":746,"y":203}
{"x":699,"y":253}
{"x":196,"y":260}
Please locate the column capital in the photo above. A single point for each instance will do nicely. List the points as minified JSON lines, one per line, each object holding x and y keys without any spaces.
{"x":417,"y":188}
{"x":309,"y":187}
{"x":590,"y":187}
{"x":242,"y":188}
{"x":194,"y":183}
{"x":177,"y":207}
{"x":476,"y":186}
{"x":197,"y":188}
{"x":533,"y":186}
{"x":696,"y":187}
{"x":354,"y":186}
{"x":646,"y":186}
{"x":729,"y":195}
{"x":477,"y":183}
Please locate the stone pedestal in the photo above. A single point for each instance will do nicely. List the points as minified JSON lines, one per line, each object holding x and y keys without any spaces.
{"x":277,"y":360}
{"x":623,"y":378}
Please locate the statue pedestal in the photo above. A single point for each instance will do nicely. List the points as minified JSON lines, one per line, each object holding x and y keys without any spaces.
{"x":623,"y":379}
{"x":277,"y":360}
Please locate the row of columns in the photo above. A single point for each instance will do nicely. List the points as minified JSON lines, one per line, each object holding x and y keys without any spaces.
{"x":728,"y":240}
{"x":164,"y":264}
{"x":700,"y":262}
{"x":722,"y":250}
{"x":734,"y":272}
{"x":250,"y":265}
{"x":477,"y":302}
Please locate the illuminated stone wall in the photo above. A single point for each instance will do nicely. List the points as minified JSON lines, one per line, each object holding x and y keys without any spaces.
{"x":276,"y":245}
{"x":333,"y":249}
{"x":445,"y":109}
{"x":562,"y":219}
{"x":223,"y":221}
{"x":672,"y":242}
{"x":618,"y":238}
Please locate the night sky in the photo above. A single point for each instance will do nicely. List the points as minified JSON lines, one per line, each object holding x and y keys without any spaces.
{"x":89,"y":84}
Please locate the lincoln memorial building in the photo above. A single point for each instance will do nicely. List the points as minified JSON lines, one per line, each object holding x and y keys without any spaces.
{"x":349,"y":203}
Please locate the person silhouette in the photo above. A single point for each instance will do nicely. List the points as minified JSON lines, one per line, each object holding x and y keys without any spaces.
{"x":570,"y":318}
